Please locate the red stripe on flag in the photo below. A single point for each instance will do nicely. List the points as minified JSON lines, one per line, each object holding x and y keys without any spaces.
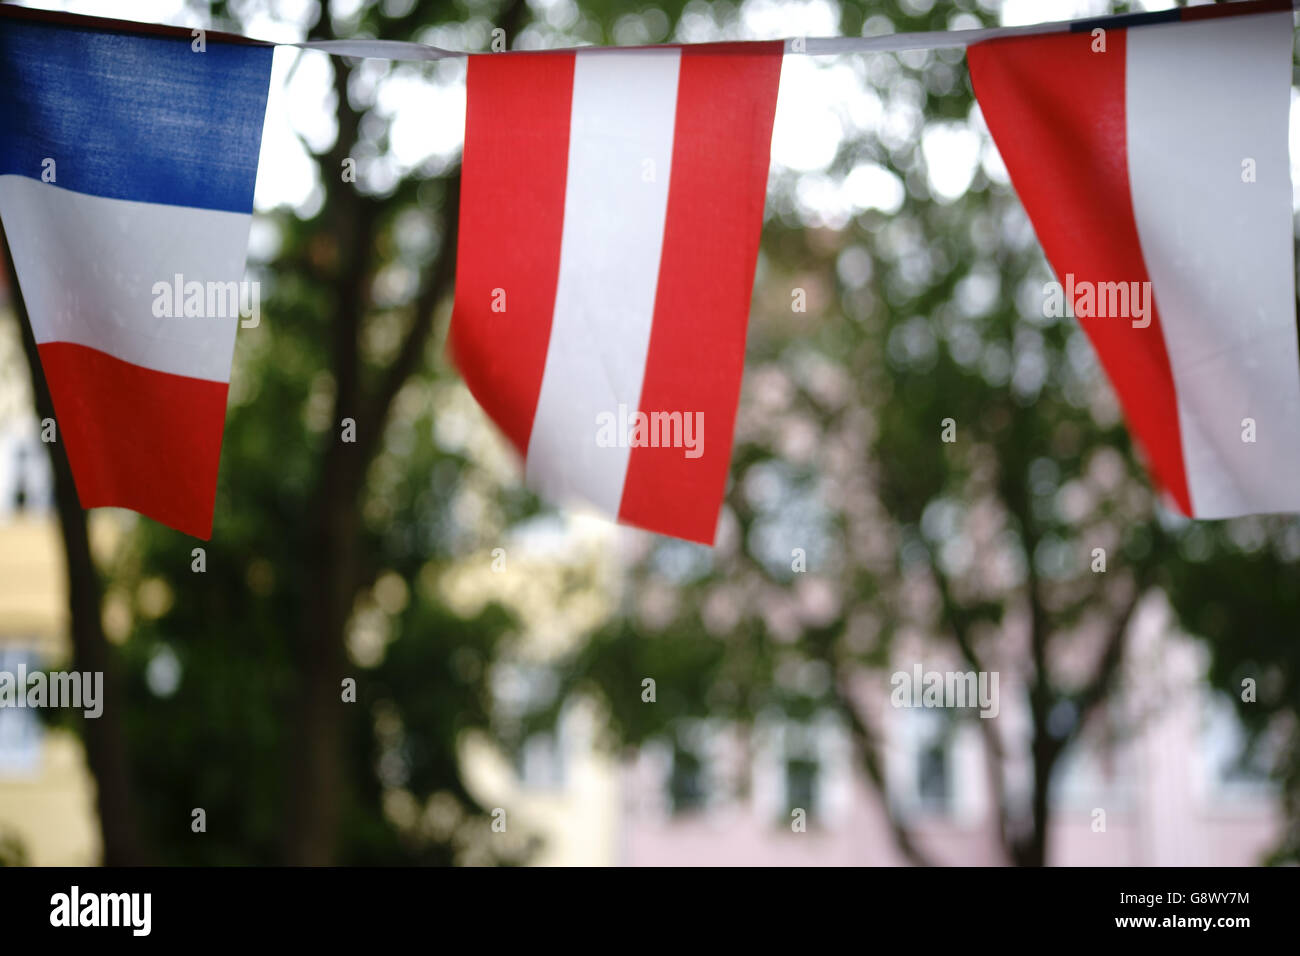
{"x":726,"y":99}
{"x":1056,"y":110}
{"x":136,"y":438}
{"x":511,"y":220}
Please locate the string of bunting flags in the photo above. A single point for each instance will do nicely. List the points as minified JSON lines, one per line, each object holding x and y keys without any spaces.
{"x":600,"y":315}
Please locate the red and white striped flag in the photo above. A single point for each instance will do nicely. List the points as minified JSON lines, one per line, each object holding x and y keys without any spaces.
{"x":1153,"y":164}
{"x":611,"y":206}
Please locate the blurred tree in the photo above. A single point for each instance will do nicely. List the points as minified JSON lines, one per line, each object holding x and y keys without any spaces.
{"x":1236,"y":584}
{"x":945,"y":460}
{"x":11,"y":850}
{"x":325,"y":555}
{"x":328,"y":559}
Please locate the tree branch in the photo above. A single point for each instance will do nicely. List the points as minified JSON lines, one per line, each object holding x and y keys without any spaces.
{"x":988,"y":729}
{"x":439,"y":280}
{"x":866,"y":743}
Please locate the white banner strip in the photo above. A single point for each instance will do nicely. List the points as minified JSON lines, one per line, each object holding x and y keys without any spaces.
{"x":810,"y":46}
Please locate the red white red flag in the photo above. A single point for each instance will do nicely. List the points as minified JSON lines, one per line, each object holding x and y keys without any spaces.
{"x":1153,"y":164}
{"x":611,"y":206}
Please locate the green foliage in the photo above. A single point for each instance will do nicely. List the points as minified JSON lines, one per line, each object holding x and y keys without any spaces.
{"x":214,"y":674}
{"x":918,"y":315}
{"x":11,"y":850}
{"x":930,"y":313}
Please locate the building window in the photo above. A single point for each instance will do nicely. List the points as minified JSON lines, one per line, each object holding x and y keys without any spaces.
{"x":21,"y":731}
{"x":933,"y":786}
{"x":540,"y":762}
{"x":25,"y":484}
{"x":800,"y":784}
{"x":921,"y":766}
{"x":1237,"y":768}
{"x":686,"y":787}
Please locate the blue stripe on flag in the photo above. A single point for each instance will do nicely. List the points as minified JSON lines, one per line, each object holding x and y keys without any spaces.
{"x":129,"y":116}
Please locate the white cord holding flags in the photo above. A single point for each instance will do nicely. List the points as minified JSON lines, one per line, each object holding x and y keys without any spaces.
{"x":811,"y":46}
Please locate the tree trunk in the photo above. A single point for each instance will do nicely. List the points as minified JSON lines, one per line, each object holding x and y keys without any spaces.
{"x":316,"y":786}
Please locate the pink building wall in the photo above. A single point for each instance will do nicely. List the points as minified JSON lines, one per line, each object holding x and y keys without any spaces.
{"x":1165,"y":800}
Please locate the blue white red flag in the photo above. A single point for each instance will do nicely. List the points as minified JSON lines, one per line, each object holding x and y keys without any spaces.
{"x":127,"y":164}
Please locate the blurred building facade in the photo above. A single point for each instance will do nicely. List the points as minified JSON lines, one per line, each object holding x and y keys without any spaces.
{"x":1171,"y":783}
{"x":1173,"y":794}
{"x":47,"y":814}
{"x":1163,"y":778}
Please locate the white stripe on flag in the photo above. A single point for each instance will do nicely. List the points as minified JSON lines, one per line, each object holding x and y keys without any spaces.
{"x":620,"y":159}
{"x":1202,"y":98}
{"x":89,"y":265}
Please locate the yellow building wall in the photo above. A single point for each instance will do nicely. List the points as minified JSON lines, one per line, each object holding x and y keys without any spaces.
{"x":51,"y":811}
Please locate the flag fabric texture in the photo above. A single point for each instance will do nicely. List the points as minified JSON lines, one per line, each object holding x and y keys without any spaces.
{"x":1154,"y":160}
{"x":610,"y":211}
{"x":611,"y":206}
{"x":127,"y":163}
